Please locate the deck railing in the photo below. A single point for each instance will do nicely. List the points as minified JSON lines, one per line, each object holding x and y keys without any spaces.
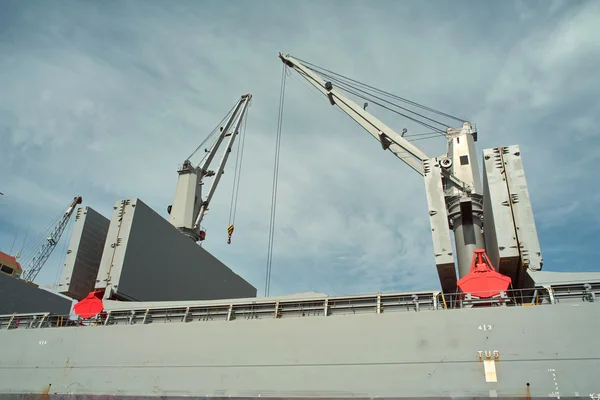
{"x":313,"y":307}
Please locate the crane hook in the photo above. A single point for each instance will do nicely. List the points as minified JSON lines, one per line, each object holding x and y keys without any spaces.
{"x":230,"y":232}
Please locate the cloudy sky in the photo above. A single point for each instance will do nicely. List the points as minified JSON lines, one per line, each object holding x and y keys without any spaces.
{"x":106,"y":99}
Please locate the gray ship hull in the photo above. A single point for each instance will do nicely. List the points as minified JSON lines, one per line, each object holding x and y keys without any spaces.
{"x":374,"y":347}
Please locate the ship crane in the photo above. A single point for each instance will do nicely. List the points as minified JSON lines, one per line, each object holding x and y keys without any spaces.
{"x":44,"y":252}
{"x":453,"y":187}
{"x":189,"y":206}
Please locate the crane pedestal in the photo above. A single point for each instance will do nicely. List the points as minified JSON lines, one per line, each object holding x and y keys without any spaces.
{"x":465,"y":216}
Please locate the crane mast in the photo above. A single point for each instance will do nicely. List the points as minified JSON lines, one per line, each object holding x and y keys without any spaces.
{"x":452,"y":181}
{"x":189,"y":207}
{"x":42,"y":255}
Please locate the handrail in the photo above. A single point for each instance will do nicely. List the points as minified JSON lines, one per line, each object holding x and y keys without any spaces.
{"x":310,"y":307}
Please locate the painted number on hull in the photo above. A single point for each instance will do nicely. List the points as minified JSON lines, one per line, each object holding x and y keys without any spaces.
{"x":42,"y":342}
{"x":556,"y":391}
{"x":485,"y":327}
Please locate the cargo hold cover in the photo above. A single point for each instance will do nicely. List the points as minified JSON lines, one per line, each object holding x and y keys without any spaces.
{"x":146,"y":258}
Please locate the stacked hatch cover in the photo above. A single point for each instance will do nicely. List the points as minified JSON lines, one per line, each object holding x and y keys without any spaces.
{"x":144,"y":258}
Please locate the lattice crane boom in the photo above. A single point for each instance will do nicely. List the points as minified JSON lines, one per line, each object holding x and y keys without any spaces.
{"x":44,"y":252}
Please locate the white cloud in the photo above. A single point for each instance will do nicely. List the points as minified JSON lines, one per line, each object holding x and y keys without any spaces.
{"x":107,"y":101}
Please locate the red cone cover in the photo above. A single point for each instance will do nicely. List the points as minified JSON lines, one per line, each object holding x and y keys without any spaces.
{"x":484,"y":284}
{"x":483,"y":281}
{"x":89,"y":307}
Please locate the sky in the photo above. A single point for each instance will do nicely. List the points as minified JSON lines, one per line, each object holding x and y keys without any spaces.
{"x":106,"y":99}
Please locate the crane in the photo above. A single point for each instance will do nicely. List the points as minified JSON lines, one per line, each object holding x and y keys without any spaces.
{"x":189,"y":207}
{"x":44,"y":252}
{"x":452,"y":183}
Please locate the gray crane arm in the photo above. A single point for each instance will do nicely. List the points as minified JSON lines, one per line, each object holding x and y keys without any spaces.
{"x":389,"y":139}
{"x":236,"y":121}
{"x":189,"y":205}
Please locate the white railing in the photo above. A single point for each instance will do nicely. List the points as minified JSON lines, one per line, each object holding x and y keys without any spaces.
{"x":312,"y":307}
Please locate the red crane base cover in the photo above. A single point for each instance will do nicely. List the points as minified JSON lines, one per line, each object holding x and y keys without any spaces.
{"x":483,"y":281}
{"x":90,"y":306}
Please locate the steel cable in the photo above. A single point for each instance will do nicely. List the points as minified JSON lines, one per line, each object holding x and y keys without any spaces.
{"x":275,"y":184}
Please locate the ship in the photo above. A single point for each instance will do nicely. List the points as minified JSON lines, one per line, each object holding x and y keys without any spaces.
{"x":498,"y":325}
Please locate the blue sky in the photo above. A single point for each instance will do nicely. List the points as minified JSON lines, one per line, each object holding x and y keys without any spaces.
{"x":106,"y":99}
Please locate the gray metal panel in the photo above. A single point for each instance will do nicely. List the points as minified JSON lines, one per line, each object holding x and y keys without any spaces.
{"x":438,"y":220}
{"x":531,"y":253}
{"x":82,"y":262}
{"x":543,"y":278}
{"x":499,"y":228}
{"x":18,"y":296}
{"x":545,"y":350}
{"x":148,"y":259}
{"x":115,"y":245}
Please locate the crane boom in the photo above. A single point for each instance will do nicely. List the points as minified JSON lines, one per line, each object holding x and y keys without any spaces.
{"x":452,"y":183}
{"x":389,"y":139}
{"x":221,"y":167}
{"x":188,"y":208}
{"x":42,"y":255}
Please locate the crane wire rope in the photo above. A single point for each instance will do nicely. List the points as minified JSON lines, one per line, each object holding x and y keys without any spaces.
{"x":318,"y":69}
{"x":30,"y":249}
{"x":371,"y":101}
{"x":440,"y":131}
{"x":315,"y":91}
{"x":216,"y":128}
{"x":237,"y":175}
{"x":14,"y":241}
{"x":275,"y":182}
{"x":24,"y":241}
{"x":345,"y":87}
{"x":33,"y":245}
{"x":350,"y":88}
{"x":344,"y":84}
{"x":409,"y":137}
